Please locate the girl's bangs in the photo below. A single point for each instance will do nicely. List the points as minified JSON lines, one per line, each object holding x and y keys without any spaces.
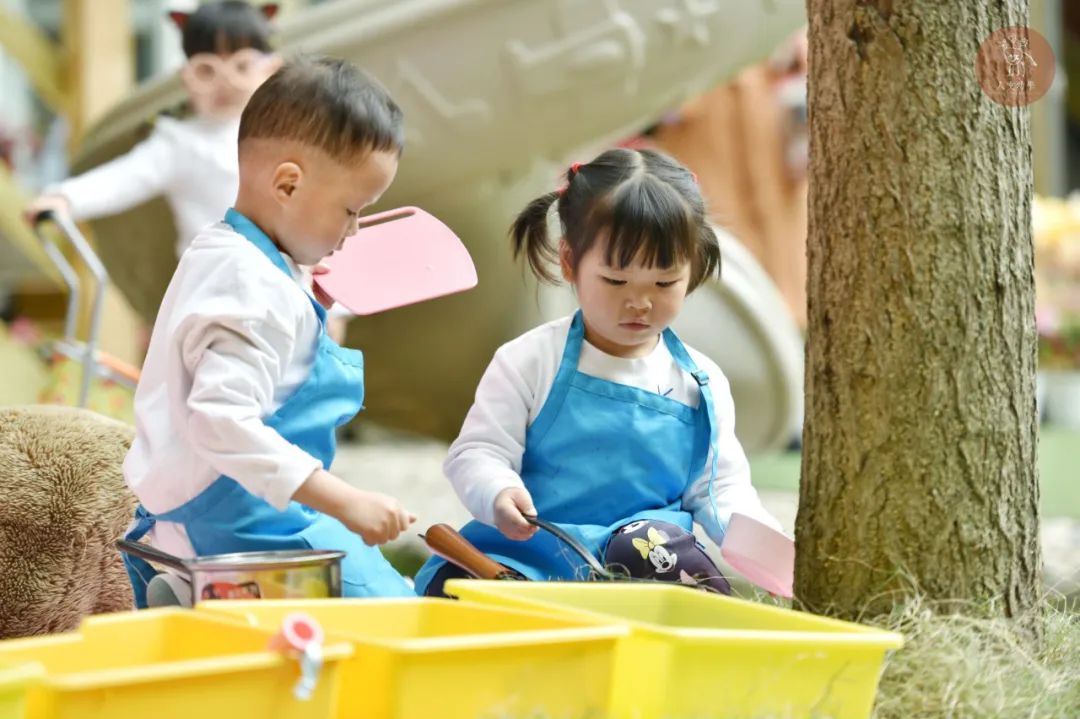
{"x":647,"y":222}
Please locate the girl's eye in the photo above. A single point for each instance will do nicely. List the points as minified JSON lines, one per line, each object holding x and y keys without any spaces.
{"x":351,"y":213}
{"x":615,"y":282}
{"x":672,"y":283}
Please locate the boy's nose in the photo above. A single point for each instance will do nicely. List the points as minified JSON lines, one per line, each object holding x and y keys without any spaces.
{"x":350,"y":230}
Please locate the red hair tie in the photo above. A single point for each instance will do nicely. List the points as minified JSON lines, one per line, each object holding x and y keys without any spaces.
{"x":574,"y":168}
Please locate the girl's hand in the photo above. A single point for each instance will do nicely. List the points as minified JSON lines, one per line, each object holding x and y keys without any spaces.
{"x":323,"y":299}
{"x":510,"y":506}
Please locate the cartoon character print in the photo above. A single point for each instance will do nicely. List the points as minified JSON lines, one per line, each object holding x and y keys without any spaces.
{"x":654,"y":550}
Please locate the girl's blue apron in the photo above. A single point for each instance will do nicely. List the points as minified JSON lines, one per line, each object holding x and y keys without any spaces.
{"x":227,"y":518}
{"x":600,"y":455}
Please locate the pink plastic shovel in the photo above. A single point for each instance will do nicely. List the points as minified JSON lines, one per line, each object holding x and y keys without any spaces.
{"x":763,"y":555}
{"x":397,"y":258}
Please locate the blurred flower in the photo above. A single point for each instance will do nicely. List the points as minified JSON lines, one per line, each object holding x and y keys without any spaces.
{"x":1056,"y":231}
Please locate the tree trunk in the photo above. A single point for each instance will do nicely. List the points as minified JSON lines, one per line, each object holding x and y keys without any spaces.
{"x":918,"y":470}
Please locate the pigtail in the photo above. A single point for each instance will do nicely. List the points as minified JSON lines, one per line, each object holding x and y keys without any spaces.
{"x":706,"y":261}
{"x":529,"y":236}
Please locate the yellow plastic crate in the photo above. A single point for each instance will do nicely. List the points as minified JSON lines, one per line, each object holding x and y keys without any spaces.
{"x":694,"y":654}
{"x":440,"y":659}
{"x":15,"y":681}
{"x":168,"y":663}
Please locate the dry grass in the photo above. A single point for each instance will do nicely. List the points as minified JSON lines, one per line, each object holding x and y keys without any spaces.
{"x":976,"y":666}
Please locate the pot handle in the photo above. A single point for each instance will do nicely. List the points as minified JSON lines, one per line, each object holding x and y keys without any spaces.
{"x":150,"y":554}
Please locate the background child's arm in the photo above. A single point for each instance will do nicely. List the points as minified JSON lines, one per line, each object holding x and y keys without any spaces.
{"x":123,"y":183}
{"x":485,"y":459}
{"x":731,"y":490}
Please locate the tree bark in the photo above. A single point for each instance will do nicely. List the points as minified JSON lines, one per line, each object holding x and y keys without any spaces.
{"x":918,"y":469}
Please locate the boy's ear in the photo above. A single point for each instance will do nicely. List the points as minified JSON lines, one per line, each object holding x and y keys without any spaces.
{"x":287,"y":177}
{"x":270,"y":10}
{"x":179,"y":19}
{"x":566,"y":260}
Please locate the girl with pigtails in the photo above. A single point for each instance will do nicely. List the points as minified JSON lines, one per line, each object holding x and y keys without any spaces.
{"x":604,"y":422}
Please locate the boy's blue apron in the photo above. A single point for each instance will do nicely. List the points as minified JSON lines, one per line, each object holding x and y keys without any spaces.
{"x":227,"y":518}
{"x":600,"y":455}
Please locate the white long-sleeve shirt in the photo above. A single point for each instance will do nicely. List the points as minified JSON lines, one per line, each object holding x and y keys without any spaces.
{"x":234,"y":337}
{"x":192,"y":163}
{"x":486,"y":457}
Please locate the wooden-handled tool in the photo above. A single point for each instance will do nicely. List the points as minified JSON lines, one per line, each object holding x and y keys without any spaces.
{"x":445,"y":541}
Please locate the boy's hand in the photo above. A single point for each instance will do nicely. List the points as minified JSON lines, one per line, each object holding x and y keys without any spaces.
{"x":377,"y":517}
{"x":323,"y":299}
{"x":510,"y":506}
{"x":44,"y":203}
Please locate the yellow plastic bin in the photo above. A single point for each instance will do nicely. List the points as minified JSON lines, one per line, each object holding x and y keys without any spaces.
{"x":15,"y":681}
{"x":440,"y":659}
{"x":168,"y":664}
{"x":694,"y":654}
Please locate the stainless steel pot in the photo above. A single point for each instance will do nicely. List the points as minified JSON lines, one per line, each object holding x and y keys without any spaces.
{"x":293,"y":574}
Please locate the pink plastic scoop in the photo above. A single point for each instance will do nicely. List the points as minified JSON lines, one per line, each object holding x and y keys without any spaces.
{"x":763,"y":555}
{"x":397,"y":258}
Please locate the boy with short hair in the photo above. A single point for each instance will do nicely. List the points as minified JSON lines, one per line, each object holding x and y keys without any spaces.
{"x":242,"y":389}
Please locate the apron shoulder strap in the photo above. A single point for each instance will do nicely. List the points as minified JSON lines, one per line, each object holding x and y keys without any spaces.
{"x":561,"y":384}
{"x":707,"y":445}
{"x":253,"y":234}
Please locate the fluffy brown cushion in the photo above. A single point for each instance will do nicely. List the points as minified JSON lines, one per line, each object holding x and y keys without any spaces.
{"x":63,"y":503}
